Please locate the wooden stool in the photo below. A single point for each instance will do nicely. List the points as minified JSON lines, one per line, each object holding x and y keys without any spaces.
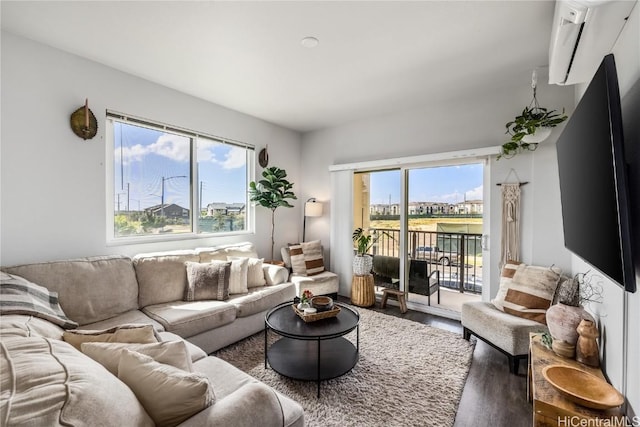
{"x":399,"y":296}
{"x":362,"y":291}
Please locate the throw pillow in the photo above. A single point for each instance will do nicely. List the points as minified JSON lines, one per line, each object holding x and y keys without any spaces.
{"x":172,"y":353}
{"x":20,"y":296}
{"x":531,"y":292}
{"x":506,"y":277}
{"x":208,"y":281}
{"x":238,"y":276}
{"x":298,"y":265}
{"x":255,"y":273}
{"x":141,"y":334}
{"x":313,"y":258}
{"x":168,"y":394}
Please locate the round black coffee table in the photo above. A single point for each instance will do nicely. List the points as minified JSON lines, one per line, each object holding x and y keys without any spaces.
{"x":311,"y":351}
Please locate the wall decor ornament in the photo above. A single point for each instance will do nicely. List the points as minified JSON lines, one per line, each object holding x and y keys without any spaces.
{"x":263,"y":157}
{"x":83,"y":122}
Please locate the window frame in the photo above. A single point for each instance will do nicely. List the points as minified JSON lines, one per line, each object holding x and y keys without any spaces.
{"x":195,"y":203}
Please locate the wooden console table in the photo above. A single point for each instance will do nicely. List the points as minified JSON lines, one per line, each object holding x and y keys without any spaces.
{"x":550,"y":408}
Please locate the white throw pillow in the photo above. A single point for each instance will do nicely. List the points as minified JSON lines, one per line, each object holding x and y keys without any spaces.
{"x":255,"y":273}
{"x":238,"y":277}
{"x":168,"y":394}
{"x":172,"y":353}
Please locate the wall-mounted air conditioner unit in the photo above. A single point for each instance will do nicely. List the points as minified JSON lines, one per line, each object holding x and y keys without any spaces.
{"x":584,"y":31}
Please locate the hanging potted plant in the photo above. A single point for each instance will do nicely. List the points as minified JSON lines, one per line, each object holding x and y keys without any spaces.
{"x":363,"y":262}
{"x":272,"y":192}
{"x":531,"y":127}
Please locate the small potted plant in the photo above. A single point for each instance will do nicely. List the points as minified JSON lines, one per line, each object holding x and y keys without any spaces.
{"x":305,"y":299}
{"x":363,"y":262}
{"x":272,"y":192}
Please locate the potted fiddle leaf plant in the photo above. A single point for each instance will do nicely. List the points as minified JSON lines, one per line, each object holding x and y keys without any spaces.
{"x":272,"y":192}
{"x":363,"y":262}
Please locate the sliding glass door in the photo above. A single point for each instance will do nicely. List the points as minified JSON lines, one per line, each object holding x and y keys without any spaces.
{"x":444,"y":233}
{"x":426,"y":228}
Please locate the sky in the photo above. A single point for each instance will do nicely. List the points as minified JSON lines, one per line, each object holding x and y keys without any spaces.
{"x":448,"y":184}
{"x":144,"y":158}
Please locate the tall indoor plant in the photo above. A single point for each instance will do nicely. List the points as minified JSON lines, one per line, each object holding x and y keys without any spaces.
{"x":272,"y":192}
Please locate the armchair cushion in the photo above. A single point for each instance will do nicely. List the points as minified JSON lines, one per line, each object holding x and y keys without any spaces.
{"x":321,"y":284}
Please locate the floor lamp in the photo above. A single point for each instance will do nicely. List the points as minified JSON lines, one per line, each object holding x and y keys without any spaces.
{"x":311,"y":208}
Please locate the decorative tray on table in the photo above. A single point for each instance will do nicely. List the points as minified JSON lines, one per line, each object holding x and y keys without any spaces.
{"x":316,"y":316}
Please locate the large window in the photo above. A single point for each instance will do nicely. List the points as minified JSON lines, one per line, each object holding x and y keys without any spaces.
{"x":173,"y":182}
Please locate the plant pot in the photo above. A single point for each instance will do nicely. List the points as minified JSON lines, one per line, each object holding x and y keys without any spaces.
{"x":563,"y":320}
{"x":362,"y":265}
{"x":539,"y":135}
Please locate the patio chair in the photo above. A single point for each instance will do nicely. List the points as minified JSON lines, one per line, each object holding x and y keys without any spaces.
{"x":386,"y":273}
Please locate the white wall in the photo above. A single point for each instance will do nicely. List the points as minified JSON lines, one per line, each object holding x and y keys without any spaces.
{"x":457,"y":125}
{"x":612,"y":313}
{"x":53,"y":183}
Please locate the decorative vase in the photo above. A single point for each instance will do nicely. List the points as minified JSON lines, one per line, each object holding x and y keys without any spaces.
{"x":362,"y":265}
{"x":563,"y":320}
{"x":587,"y":346}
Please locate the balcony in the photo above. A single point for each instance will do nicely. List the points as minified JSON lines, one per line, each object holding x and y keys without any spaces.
{"x":458,"y":256}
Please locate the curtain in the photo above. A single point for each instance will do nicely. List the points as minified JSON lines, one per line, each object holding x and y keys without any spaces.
{"x":342,"y":228}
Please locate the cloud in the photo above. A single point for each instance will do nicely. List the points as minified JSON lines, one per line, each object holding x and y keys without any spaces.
{"x":475,"y":194}
{"x":173,"y":147}
{"x":235,"y":158}
{"x":456,"y":196}
{"x":205,"y":150}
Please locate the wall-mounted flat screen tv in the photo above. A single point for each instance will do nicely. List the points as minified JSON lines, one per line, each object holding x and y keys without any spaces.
{"x":594,"y":187}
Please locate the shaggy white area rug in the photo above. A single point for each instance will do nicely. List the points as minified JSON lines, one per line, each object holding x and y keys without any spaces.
{"x":408,"y":374}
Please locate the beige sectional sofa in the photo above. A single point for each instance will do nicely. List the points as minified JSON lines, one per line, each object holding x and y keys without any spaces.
{"x":48,"y":382}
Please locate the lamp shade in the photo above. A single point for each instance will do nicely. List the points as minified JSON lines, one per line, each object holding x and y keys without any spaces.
{"x":313,"y":209}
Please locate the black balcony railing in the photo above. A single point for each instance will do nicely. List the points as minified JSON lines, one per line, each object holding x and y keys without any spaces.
{"x":458,"y":256}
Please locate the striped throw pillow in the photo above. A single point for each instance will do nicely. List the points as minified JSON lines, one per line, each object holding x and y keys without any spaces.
{"x":298,"y":265}
{"x":506,"y":277}
{"x":313,"y":259}
{"x":530,"y":293}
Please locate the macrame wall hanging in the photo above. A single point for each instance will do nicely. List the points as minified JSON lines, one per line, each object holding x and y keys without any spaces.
{"x":510,"y":242}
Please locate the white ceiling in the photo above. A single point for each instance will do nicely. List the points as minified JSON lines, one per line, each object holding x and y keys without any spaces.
{"x":374,"y":58}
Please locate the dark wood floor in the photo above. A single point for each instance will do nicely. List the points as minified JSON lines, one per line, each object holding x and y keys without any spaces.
{"x":492,"y":396}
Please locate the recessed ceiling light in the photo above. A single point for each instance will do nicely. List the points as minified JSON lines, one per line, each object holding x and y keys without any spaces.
{"x":309,"y":42}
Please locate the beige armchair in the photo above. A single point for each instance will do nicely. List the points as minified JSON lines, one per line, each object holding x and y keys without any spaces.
{"x":325,"y":283}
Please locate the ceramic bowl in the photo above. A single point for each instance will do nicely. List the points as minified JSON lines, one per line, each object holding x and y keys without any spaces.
{"x":322,"y":303}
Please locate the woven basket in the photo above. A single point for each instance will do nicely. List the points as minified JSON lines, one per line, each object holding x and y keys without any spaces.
{"x":316,"y":316}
